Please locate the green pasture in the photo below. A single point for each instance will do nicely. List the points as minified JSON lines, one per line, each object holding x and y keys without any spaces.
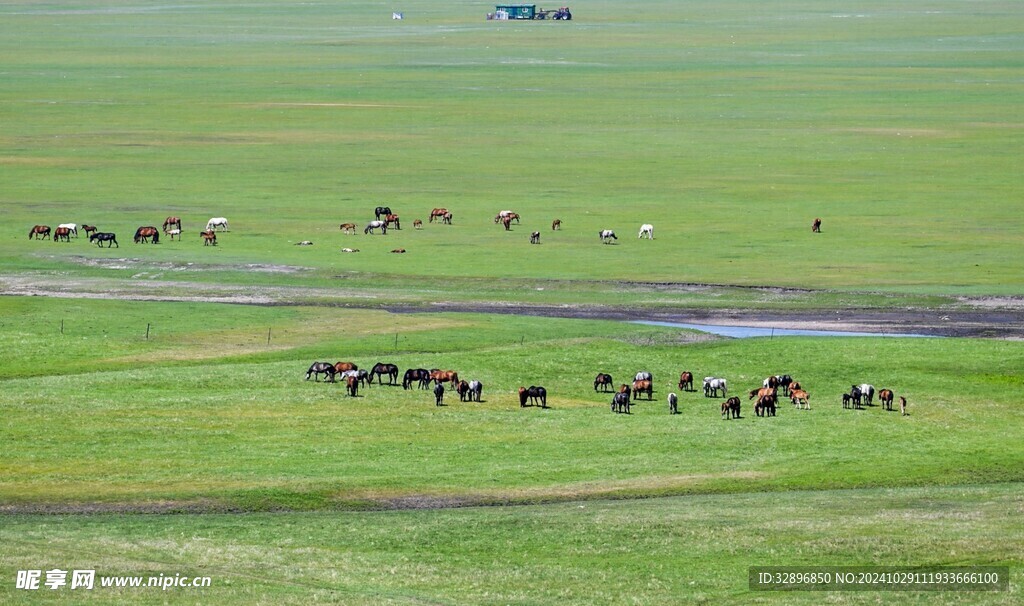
{"x":728,"y":125}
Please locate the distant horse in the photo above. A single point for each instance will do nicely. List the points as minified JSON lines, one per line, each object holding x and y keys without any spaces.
{"x":855,"y":396}
{"x":604,"y":380}
{"x":556,"y":224}
{"x":643,"y":375}
{"x":712,"y":385}
{"x":89,"y":229}
{"x":389,"y":219}
{"x":867,"y":393}
{"x":380,"y":369}
{"x":607,"y":236}
{"x":673,"y":404}
{"x":144,"y":233}
{"x":438,"y":213}
{"x":686,"y":380}
{"x":463,"y":390}
{"x":340,"y":367}
{"x":507,"y":214}
{"x":538,"y":394}
{"x":643,"y":386}
{"x":381,"y":211}
{"x":764,"y":391}
{"x":800,"y":398}
{"x":847,"y":400}
{"x":816,"y":226}
{"x":62,"y":232}
{"x":304,"y":243}
{"x":40,"y":232}
{"x":174,"y":232}
{"x":421,"y":375}
{"x":209,"y":237}
{"x":620,"y":403}
{"x":172,"y":223}
{"x":417,"y":224}
{"x":765,"y":406}
{"x":646,"y":230}
{"x":731,"y":408}
{"x":372,"y":225}
{"x":399,"y":251}
{"x":771,"y":382}
{"x":439,"y":395}
{"x":476,"y":389}
{"x":441,"y":376}
{"x":216,"y":222}
{"x":535,"y":237}
{"x":885,"y":398}
{"x":507,"y":222}
{"x":352,"y":385}
{"x":101,"y":236}
{"x":72,"y":228}
{"x":318,"y":368}
{"x":446,"y":218}
{"x":903,"y":406}
{"x":786,"y":382}
{"x":350,"y":250}
{"x":348,"y":228}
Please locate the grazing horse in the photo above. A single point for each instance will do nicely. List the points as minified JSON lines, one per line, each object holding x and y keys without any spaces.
{"x":88,"y":228}
{"x":643,"y":375}
{"x":903,"y":406}
{"x":507,"y":222}
{"x":389,"y":219}
{"x":556,"y":224}
{"x":318,"y":368}
{"x":764,"y":391}
{"x":447,"y":218}
{"x":340,"y":367}
{"x":786,"y":382}
{"x":771,"y":382}
{"x":855,"y":396}
{"x":646,"y":230}
{"x":816,"y":226}
{"x":421,"y":375}
{"x":535,"y":237}
{"x":174,"y":232}
{"x":535,"y":394}
{"x":800,"y":398}
{"x":144,"y":233}
{"x":62,"y":232}
{"x":643,"y":386}
{"x":350,"y":250}
{"x":885,"y":398}
{"x":438,"y":213}
{"x":686,"y":380}
{"x":731,"y":408}
{"x":399,"y":251}
{"x":620,"y":403}
{"x":506,"y":214}
{"x":440,"y":376}
{"x":439,"y":395}
{"x":712,"y":385}
{"x":103,"y":236}
{"x":673,"y":404}
{"x":380,"y":369}
{"x":372,"y":225}
{"x":171,"y":223}
{"x":72,"y":228}
{"x":607,"y":236}
{"x":476,"y":389}
{"x":765,"y":406}
{"x":41,"y":232}
{"x":867,"y":393}
{"x":381,"y":211}
{"x":463,"y":390}
{"x":352,"y":385}
{"x":209,"y":237}
{"x":216,"y":222}
{"x":417,"y":224}
{"x":604,"y":380}
{"x":348,"y":228}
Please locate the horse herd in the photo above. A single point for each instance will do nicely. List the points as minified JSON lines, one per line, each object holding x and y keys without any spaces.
{"x":624,"y":396}
{"x":143,"y":235}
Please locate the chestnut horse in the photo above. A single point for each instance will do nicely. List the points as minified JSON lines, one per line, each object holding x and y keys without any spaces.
{"x":144,"y":233}
{"x":556,"y":224}
{"x":389,"y":219}
{"x":417,"y":224}
{"x":209,"y":237}
{"x":40,"y":232}
{"x":885,"y":398}
{"x":171,"y":223}
{"x":816,"y":226}
{"x":643,"y":386}
{"x":686,"y":380}
{"x":441,"y":376}
{"x":438,"y":213}
{"x":800,"y":398}
{"x":348,"y":228}
{"x":352,"y":385}
{"x":89,"y":229}
{"x":62,"y":232}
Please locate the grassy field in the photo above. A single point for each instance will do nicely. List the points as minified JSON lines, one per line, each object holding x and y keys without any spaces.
{"x":727,"y":125}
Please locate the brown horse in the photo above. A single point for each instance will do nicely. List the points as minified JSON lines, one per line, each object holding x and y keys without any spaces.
{"x":143,"y":234}
{"x":171,"y":223}
{"x":438,"y":213}
{"x":800,"y":398}
{"x":88,"y":229}
{"x":885,"y":397}
{"x":417,"y":224}
{"x":447,"y":218}
{"x":340,"y":367}
{"x":731,"y":408}
{"x":604,"y":380}
{"x":41,"y":232}
{"x":765,"y":406}
{"x":209,"y":237}
{"x":686,"y":380}
{"x":398,"y":250}
{"x":389,"y":219}
{"x":643,"y":386}
{"x":62,"y":232}
{"x":352,"y":385}
{"x":441,"y":376}
{"x":556,"y":224}
{"x":763,"y":391}
{"x":348,"y":228}
{"x":903,"y":406}
{"x":816,"y":226}
{"x":463,"y":390}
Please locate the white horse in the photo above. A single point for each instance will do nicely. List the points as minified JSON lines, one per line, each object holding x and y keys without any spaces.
{"x":643,"y":375}
{"x":607,"y":236}
{"x":72,"y":227}
{"x":372,"y":225}
{"x":867,"y":392}
{"x":217,"y":222}
{"x":673,"y":404}
{"x":174,"y":232}
{"x":712,"y":385}
{"x":646,"y":230}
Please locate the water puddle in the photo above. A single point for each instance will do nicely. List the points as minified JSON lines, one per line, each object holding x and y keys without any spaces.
{"x":745,"y":332}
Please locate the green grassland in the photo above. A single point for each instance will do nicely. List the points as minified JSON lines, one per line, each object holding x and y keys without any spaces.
{"x":729,"y":125}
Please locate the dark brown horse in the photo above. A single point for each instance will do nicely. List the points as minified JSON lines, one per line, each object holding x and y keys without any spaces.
{"x":320,"y":368}
{"x":420,"y":375}
{"x":731,"y":408}
{"x":686,"y":380}
{"x":507,"y":222}
{"x":885,"y":396}
{"x":40,"y":232}
{"x":463,"y":390}
{"x":816,"y":226}
{"x":171,"y":223}
{"x":380,"y":369}
{"x":352,"y":385}
{"x":389,"y":219}
{"x":556,"y":224}
{"x":604,"y":380}
{"x":144,"y":233}
{"x":765,"y":406}
{"x":89,"y":229}
{"x":209,"y":237}
{"x":62,"y":232}
{"x":643,"y":386}
{"x":417,"y":224}
{"x":438,"y":213}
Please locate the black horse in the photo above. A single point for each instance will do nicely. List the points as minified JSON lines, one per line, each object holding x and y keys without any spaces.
{"x":422,"y":375}
{"x":620,"y":402}
{"x":604,"y":380}
{"x":382,"y":211}
{"x":102,"y":236}
{"x":439,"y":395}
{"x":538,"y":394}
{"x":318,"y":368}
{"x":380,"y":369}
